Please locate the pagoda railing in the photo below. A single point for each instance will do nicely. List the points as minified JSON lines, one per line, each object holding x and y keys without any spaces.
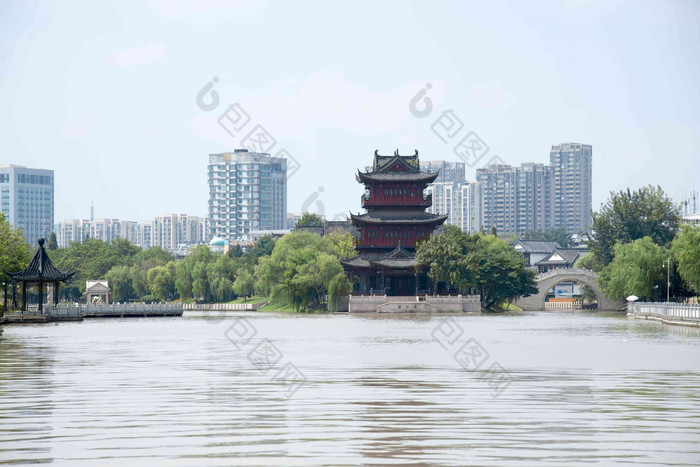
{"x":420,"y":201}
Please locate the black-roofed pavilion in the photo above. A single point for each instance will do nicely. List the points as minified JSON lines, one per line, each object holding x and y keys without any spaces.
{"x":40,"y":271}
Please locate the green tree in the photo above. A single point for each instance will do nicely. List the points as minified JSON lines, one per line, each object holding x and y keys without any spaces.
{"x":309,"y":219}
{"x":499,"y":272}
{"x":197,"y":266}
{"x":686,"y":254}
{"x":143,"y":261}
{"x":338,"y":288}
{"x":629,"y":216}
{"x":119,"y":278}
{"x":243,"y":285}
{"x":183,"y":279}
{"x":299,"y":271}
{"x":90,"y":259}
{"x":481,"y":263}
{"x":161,"y":281}
{"x":126,"y":248}
{"x":343,"y":244}
{"x":52,"y":244}
{"x":15,"y":253}
{"x":557,"y":234}
{"x":220,"y":274}
{"x":635,"y":269}
{"x":263,"y":247}
{"x":589,"y":261}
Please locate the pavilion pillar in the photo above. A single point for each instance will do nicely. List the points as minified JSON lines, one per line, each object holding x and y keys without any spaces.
{"x":55,"y":293}
{"x":14,"y":295}
{"x":41,"y":297}
{"x":5,"y":302}
{"x":383,"y":285}
{"x":24,"y":296}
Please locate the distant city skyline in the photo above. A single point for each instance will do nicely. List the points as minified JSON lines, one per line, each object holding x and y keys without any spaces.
{"x":111,"y":103}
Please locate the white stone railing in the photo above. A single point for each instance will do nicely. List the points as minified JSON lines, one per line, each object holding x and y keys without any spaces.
{"x":115,"y":309}
{"x":223,"y":306}
{"x":681,"y":311}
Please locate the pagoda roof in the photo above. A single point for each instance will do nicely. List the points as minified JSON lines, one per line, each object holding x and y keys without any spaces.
{"x":398,"y":217}
{"x":422,"y":177}
{"x":395,"y":168}
{"x":357,"y":262}
{"x":398,"y":258}
{"x":383,"y":163}
{"x":40,"y":269}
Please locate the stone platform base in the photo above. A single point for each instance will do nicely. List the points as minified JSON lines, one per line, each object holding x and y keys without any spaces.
{"x":414,"y":304}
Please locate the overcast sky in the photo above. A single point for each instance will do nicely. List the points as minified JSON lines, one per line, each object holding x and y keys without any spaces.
{"x":105,"y":93}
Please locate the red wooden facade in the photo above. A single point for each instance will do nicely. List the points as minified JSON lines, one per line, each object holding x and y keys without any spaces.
{"x":394,"y":223}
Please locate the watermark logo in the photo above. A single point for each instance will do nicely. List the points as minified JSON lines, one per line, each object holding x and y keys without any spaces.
{"x":471,"y":356}
{"x":265,"y":356}
{"x":314,"y":198}
{"x":470,"y":148}
{"x":208,"y":99}
{"x":235,"y":118}
{"x":420,"y":105}
{"x":259,"y":140}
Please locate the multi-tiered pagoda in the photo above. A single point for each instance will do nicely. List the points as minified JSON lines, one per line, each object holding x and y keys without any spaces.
{"x":394,"y":223}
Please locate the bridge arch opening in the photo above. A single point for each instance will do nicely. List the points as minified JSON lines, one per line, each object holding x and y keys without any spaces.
{"x":572,"y":293}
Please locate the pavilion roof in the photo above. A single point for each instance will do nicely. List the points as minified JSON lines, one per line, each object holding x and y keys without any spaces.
{"x":40,"y":269}
{"x":561,"y":256}
{"x":398,"y":217}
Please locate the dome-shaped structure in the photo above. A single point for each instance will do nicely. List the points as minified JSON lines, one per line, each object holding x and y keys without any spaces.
{"x":217,"y":241}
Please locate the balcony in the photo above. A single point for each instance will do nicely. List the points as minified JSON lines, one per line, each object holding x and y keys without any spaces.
{"x":373,"y":201}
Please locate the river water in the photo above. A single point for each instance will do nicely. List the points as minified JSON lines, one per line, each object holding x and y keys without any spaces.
{"x":292,"y":389}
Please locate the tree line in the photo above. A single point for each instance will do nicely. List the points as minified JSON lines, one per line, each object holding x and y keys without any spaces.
{"x":479,"y":263}
{"x":638,"y":244}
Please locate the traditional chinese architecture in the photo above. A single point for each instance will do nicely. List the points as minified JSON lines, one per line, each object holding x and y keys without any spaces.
{"x":40,"y":271}
{"x":97,"y":292}
{"x":395,"y":222}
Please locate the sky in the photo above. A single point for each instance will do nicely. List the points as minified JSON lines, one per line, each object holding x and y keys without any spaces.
{"x":124,"y":100}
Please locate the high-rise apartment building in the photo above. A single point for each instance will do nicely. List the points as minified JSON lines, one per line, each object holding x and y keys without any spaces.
{"x":247,"y":191}
{"x":453,"y":172}
{"x":28,"y":200}
{"x":573,"y":187}
{"x":499,"y":202}
{"x":453,"y":195}
{"x":461,"y":201}
{"x":169,"y":231}
{"x":517,"y":199}
{"x":534,"y":197}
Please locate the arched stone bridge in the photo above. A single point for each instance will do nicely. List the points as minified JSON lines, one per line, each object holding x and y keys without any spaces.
{"x":549,"y":279}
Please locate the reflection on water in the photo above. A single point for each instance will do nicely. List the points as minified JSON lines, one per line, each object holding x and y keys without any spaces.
{"x":587,"y":388}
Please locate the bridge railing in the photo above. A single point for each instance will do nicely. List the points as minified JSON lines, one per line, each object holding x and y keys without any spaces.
{"x":681,"y":311}
{"x":567,"y":272}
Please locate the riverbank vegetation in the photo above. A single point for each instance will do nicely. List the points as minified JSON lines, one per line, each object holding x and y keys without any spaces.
{"x":300,"y":271}
{"x":477,"y":264}
{"x":636,"y":236}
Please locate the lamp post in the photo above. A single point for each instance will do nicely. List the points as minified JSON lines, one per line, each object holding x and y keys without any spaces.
{"x":667,"y":263}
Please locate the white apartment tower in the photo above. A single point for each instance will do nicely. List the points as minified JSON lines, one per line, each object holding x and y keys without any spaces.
{"x":27,"y":197}
{"x":247,"y":191}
